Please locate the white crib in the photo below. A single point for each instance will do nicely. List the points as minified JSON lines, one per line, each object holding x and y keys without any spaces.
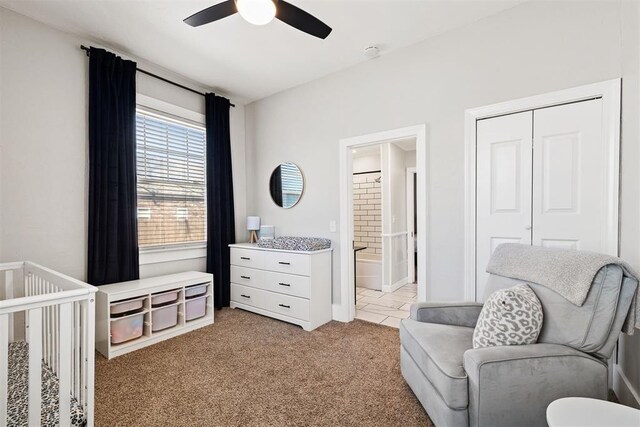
{"x":46,"y":347}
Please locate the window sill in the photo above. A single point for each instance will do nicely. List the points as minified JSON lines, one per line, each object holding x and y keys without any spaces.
{"x":157,"y":255}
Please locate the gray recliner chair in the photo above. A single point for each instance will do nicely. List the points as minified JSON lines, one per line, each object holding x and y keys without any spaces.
{"x":513,"y":385}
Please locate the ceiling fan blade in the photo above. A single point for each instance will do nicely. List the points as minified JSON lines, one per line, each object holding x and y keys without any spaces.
{"x":213,"y":13}
{"x":303,"y":21}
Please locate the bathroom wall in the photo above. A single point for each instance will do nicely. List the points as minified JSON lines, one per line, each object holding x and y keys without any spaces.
{"x":366,"y":163}
{"x":367,"y":212}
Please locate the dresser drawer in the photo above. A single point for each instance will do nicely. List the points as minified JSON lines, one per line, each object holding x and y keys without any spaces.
{"x":247,"y":276}
{"x":249,"y":296}
{"x":288,"y":305}
{"x":289,"y":284}
{"x":247,"y":257}
{"x":285,"y":262}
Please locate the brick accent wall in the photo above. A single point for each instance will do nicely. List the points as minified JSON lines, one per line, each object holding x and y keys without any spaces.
{"x":164,"y":227}
{"x":367,"y":212}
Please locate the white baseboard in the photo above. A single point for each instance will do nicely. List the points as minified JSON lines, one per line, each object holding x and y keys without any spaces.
{"x":624,"y":389}
{"x":394,"y":287}
{"x":340,"y":313}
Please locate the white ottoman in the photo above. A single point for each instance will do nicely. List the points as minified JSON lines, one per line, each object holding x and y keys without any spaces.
{"x":584,"y":412}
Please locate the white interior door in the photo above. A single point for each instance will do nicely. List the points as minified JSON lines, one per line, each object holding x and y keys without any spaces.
{"x":569,"y":176}
{"x":504,"y":185}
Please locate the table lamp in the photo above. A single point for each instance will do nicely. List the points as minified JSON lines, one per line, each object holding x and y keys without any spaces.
{"x":253,"y":224}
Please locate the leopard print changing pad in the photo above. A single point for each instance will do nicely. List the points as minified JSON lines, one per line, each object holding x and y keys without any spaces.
{"x":18,"y":408}
{"x":306,"y":244}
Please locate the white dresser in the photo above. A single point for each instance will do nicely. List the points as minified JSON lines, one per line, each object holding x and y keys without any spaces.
{"x":293,"y":286}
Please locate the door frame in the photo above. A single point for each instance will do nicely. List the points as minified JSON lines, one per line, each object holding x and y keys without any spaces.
{"x":411,"y":272}
{"x":610,"y":93}
{"x":345,"y":310}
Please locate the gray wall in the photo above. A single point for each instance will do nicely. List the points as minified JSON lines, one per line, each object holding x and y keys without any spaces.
{"x":43,"y":146}
{"x":534,"y":48}
{"x":627,"y":380}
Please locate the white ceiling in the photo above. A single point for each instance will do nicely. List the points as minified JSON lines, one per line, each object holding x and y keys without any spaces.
{"x":251,"y":62}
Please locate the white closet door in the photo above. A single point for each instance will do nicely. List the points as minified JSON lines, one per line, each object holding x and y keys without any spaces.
{"x":569,"y":176}
{"x":503,"y":193}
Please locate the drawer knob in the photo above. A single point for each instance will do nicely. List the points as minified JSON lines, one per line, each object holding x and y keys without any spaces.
{"x":284,"y":305}
{"x":245,"y":296}
{"x":284,"y":263}
{"x":245,"y":258}
{"x":246,"y":277}
{"x":284,"y":284}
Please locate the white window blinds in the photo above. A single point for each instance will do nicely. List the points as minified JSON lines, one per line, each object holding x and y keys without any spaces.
{"x":171,"y":180}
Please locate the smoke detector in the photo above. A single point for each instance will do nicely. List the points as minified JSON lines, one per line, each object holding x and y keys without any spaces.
{"x":371,"y":52}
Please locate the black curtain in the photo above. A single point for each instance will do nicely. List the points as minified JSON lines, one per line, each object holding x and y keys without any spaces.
{"x":113,"y":231}
{"x":220,"y":211}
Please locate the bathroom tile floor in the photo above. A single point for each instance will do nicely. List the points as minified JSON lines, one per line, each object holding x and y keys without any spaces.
{"x":385,"y":308}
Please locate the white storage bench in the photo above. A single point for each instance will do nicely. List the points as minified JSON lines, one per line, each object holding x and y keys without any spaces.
{"x":132,"y":315}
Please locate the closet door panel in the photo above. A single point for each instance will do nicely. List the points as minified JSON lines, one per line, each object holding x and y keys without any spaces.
{"x":569,"y":194}
{"x":503,"y":192}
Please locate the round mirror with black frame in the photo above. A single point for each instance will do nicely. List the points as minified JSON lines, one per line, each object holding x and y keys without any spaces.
{"x":286,"y":185}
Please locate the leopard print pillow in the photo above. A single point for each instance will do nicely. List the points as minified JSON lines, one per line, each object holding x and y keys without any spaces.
{"x":510,"y":316}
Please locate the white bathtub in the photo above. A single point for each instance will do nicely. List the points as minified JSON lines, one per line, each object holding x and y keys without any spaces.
{"x":369,"y":271}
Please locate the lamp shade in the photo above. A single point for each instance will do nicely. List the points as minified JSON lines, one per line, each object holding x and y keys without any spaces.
{"x":253,"y":223}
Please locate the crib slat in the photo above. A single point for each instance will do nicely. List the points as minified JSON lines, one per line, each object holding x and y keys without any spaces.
{"x":35,"y":367}
{"x":45,"y":328}
{"x":46,"y":335}
{"x":65,"y":328}
{"x":89,"y":331}
{"x":56,"y":339}
{"x":83,"y":352}
{"x":76,"y":350}
{"x":46,"y":325}
{"x":27,"y":291}
{"x":4,"y":367}
{"x":8,"y":293}
{"x":50,"y":327}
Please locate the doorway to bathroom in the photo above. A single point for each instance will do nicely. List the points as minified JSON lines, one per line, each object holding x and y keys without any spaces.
{"x":382,"y":233}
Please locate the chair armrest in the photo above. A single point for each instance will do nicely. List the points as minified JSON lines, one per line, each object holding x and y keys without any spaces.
{"x":447,"y":313}
{"x":513,"y":385}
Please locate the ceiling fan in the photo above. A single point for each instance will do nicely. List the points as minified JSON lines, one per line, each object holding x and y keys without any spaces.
{"x":261,"y":12}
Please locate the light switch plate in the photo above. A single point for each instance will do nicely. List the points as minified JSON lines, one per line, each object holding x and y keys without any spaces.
{"x":332,"y":226}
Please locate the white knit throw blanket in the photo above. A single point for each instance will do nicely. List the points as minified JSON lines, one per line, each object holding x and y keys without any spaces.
{"x":567,"y":272}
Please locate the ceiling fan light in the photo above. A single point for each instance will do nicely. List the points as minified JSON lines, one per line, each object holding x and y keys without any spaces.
{"x":257,"y":12}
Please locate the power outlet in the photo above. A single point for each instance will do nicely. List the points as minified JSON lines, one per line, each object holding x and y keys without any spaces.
{"x":332,"y":227}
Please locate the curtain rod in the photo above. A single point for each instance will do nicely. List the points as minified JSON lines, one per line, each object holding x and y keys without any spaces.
{"x":83,"y":47}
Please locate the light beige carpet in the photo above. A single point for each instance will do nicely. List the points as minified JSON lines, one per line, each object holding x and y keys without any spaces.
{"x":249,"y":370}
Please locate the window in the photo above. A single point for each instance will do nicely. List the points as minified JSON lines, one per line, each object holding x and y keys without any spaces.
{"x":171,"y":180}
{"x":182,"y":213}
{"x":144,"y":213}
